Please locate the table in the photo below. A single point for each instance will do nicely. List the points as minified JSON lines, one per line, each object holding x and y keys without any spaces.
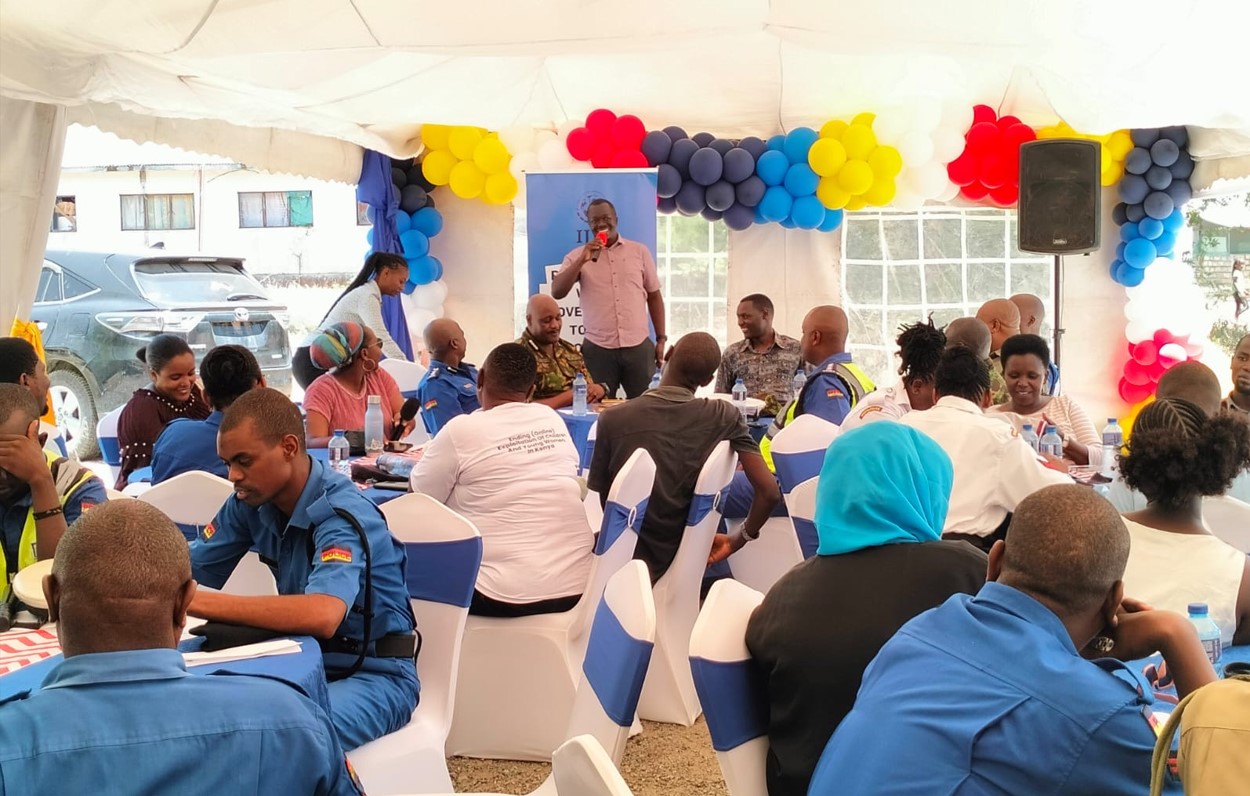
{"x":579,"y":429}
{"x":375,"y":495}
{"x":1167,"y":691}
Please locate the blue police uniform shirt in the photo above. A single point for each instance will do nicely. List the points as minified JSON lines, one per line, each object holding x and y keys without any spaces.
{"x":446,"y":392}
{"x":185,"y":445}
{"x":827,"y":396}
{"x":988,"y":694}
{"x":13,"y":517}
{"x":137,"y":722}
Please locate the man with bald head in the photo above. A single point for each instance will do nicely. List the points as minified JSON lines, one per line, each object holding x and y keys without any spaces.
{"x":680,"y":431}
{"x":1032,"y":313}
{"x":1017,"y":657}
{"x":973,"y":334}
{"x":559,"y":361}
{"x":1003,"y":319}
{"x":121,"y":714}
{"x":449,"y":387}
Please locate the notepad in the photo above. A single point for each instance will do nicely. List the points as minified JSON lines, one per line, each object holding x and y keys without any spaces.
{"x":282,"y":646}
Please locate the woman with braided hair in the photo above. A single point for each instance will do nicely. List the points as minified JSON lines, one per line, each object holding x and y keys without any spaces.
{"x":920,"y":346}
{"x":1176,"y":456}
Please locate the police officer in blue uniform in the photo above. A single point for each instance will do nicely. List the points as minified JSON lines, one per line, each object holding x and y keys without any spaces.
{"x":449,"y":387}
{"x":340,"y":572}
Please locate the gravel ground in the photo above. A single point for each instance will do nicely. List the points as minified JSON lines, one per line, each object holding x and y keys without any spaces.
{"x":665,"y":760}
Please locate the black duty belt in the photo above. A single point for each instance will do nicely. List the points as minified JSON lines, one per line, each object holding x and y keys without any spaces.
{"x":394,"y":645}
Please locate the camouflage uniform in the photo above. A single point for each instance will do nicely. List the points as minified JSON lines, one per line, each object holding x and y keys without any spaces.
{"x":555,"y":373}
{"x":998,"y":385}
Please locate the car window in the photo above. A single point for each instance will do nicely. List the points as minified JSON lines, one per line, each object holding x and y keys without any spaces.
{"x":49,"y":286}
{"x":198,"y":282}
{"x":73,"y":287}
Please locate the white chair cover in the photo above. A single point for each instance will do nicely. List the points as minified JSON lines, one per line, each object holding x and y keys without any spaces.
{"x":1229,"y":519}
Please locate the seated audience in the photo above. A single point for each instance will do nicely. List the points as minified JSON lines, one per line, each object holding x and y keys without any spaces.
{"x":1002,"y":317}
{"x":764,"y":359}
{"x":994,"y":468}
{"x":20,"y":364}
{"x":1176,"y":455}
{"x":512,"y":470}
{"x":1026,"y":359}
{"x":227,"y":371}
{"x":1032,"y":313}
{"x":920,"y":346}
{"x":992,"y":694}
{"x":340,"y":573}
{"x":40,"y":493}
{"x":880,"y":508}
{"x":559,"y":362}
{"x":1238,"y":400}
{"x":972,"y":334}
{"x":449,"y":387}
{"x":173,"y":393}
{"x":121,"y":714}
{"x":339,"y":398}
{"x":383,"y":274}
{"x":680,"y":431}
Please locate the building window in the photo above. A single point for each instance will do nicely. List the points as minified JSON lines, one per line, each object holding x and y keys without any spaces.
{"x":362,"y":215}
{"x":65,"y":214}
{"x":898,"y":268}
{"x":693,"y":265}
{"x":158,"y":211}
{"x":275,"y":209}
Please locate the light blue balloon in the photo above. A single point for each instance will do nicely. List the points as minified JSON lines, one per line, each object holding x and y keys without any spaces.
{"x":1140,"y":253}
{"x":403,"y":222}
{"x":772,"y":168}
{"x":1166,"y":244}
{"x":1129,"y":276}
{"x":797,"y":142}
{"x":801,"y":181}
{"x":833,"y":220}
{"x":1174,"y":221}
{"x":422,"y":270}
{"x":1150,"y":228}
{"x":775,"y":143}
{"x":1129,"y":232}
{"x":776,"y":204}
{"x":415,"y":244}
{"x":808,"y":212}
{"x":427,"y":221}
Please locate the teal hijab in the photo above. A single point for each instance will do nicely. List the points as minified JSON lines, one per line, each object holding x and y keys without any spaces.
{"x":882,"y":483}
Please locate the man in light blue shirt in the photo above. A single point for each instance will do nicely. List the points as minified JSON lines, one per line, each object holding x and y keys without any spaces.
{"x":991,"y":693}
{"x":122,"y":715}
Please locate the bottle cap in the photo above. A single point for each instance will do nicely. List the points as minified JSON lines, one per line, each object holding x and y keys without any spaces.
{"x":1197,"y":609}
{"x":338,"y":432}
{"x":1028,"y":426}
{"x":1112,"y":421}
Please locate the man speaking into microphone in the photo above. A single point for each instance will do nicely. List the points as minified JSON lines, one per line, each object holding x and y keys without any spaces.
{"x":619,"y":289}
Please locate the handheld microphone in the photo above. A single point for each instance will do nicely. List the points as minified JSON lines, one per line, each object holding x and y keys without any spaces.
{"x":406,"y":413}
{"x":602,"y":237}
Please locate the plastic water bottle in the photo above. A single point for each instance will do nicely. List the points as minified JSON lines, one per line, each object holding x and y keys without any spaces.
{"x":340,"y":453}
{"x":1208,"y":632}
{"x":798,"y":383}
{"x":579,"y":394}
{"x":397,"y":464}
{"x":1112,"y":439}
{"x":1029,"y":436}
{"x":375,"y":436}
{"x":655,"y":381}
{"x":740,"y":397}
{"x":1051,"y":443}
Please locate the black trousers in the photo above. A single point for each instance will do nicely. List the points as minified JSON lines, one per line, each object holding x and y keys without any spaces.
{"x":631,"y":368}
{"x":302,"y":367}
{"x":983,"y":543}
{"x":487,"y":606}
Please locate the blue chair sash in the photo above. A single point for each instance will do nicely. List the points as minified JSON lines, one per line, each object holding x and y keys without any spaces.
{"x":615,"y":666}
{"x":795,"y":468}
{"x":702,"y":505}
{"x":734,"y":701}
{"x":443,"y":572}
{"x":616,"y":520}
{"x":110,"y":451}
{"x":808,"y":538}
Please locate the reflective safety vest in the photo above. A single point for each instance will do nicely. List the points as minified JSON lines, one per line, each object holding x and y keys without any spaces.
{"x":27,"y":553}
{"x":857,"y":386}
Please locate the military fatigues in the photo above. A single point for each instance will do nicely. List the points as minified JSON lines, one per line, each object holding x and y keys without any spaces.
{"x":555,"y":372}
{"x":445,"y":392}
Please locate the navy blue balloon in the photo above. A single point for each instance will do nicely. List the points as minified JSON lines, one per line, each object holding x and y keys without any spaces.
{"x":753,"y":145}
{"x":1159,"y":205}
{"x":1174,"y":222}
{"x":1129,"y":232}
{"x":710,"y":214}
{"x":412,"y":198}
{"x":1144,"y":136}
{"x":721,"y":145}
{"x":706,"y":166}
{"x":1118,"y":216}
{"x":690,"y":199}
{"x":427,"y":221}
{"x":429,"y":199}
{"x":415,"y":244}
{"x":807,"y":212}
{"x":1150,"y":228}
{"x":1183,"y":167}
{"x":416,"y":177}
{"x":1129,"y":276}
{"x":750,"y":191}
{"x":1180,"y":192}
{"x":1166,"y":244}
{"x":667,"y":204}
{"x":801,"y":180}
{"x":1119,"y":250}
{"x":739,"y":164}
{"x":1164,"y":152}
{"x":1158,"y":178}
{"x":675,"y":133}
{"x":399,"y":177}
{"x":679,"y":156}
{"x":776,"y":142}
{"x":797,"y":142}
{"x":403,"y":222}
{"x":668,"y":182}
{"x":776,"y":204}
{"x":1137,"y":161}
{"x":739,"y":217}
{"x":655,"y":146}
{"x":772,"y":167}
{"x":1140,"y":253}
{"x":1178,"y":135}
{"x":833,"y":220}
{"x":720,"y":195}
{"x":1134,"y":212}
{"x":703,"y":139}
{"x":1133,"y":188}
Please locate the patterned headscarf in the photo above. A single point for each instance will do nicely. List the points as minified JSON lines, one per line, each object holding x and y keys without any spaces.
{"x":336,"y":344}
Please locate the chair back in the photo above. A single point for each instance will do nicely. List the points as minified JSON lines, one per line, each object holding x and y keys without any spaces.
{"x":190,"y":499}
{"x":106,"y":436}
{"x":406,"y":374}
{"x":588,"y":450}
{"x":1229,"y":519}
{"x":113,"y":494}
{"x":617,"y":653}
{"x":799,"y":449}
{"x":730,"y":688}
{"x":801,"y":503}
{"x":580,"y":767}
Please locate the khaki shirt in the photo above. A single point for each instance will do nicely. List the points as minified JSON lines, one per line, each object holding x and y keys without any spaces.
{"x":555,"y":372}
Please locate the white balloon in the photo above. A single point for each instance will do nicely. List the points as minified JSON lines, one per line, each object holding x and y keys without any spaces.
{"x":926,"y":114}
{"x":947,"y":144}
{"x":958,"y":115}
{"x":418,"y":319}
{"x":916,"y":148}
{"x":891,"y":125}
{"x":1138,"y":331}
{"x":431,"y":296}
{"x":930,"y":180}
{"x":567,"y":126}
{"x":518,"y":139}
{"x":948,"y":193}
{"x":906,"y":200}
{"x":541,"y":137}
{"x":526,"y":161}
{"x":554,"y":156}
{"x":519,"y":201}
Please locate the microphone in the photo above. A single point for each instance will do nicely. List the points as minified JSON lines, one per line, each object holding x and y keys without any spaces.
{"x":602,"y":237}
{"x":406,"y":413}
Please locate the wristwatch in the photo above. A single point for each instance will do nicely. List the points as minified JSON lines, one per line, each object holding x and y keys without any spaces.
{"x":745,"y":535}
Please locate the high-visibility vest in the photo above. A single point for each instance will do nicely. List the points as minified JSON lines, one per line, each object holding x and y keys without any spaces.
{"x":857,"y":386}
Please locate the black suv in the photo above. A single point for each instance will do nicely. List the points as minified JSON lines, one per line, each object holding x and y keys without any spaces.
{"x":96,"y":310}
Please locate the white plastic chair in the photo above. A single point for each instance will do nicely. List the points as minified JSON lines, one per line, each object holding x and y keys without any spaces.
{"x":669,"y":695}
{"x":735,"y":700}
{"x":591,"y":436}
{"x":518,"y":676}
{"x":406,"y":374}
{"x":581,"y":767}
{"x":106,"y":437}
{"x":113,"y":494}
{"x":1229,"y":519}
{"x":190,"y":499}
{"x":801,"y":504}
{"x":444,"y":552}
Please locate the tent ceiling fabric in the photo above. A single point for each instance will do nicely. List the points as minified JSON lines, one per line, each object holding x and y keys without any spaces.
{"x":369,"y":72}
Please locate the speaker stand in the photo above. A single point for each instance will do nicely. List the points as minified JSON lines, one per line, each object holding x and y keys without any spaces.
{"x":1058,"y":307}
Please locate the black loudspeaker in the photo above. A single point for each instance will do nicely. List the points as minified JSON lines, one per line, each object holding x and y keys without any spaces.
{"x":1060,"y":196}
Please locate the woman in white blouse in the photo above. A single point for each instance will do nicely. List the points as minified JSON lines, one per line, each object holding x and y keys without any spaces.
{"x":1026,"y":360}
{"x":383,"y":274}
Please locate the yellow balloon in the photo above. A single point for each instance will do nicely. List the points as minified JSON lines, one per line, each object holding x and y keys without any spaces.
{"x":467,"y":180}
{"x":834,"y":128}
{"x":1120,"y":144}
{"x":866,"y":118}
{"x":826,"y":156}
{"x":855,"y":177}
{"x":830,"y":194}
{"x":500,"y":188}
{"x":856,"y":203}
{"x":1129,"y":419}
{"x":859,"y":141}
{"x":463,"y":141}
{"x":1112,"y":171}
{"x":437,"y":166}
{"x":886,"y":162}
{"x":434,"y":136}
{"x":491,"y":156}
{"x":881,"y":193}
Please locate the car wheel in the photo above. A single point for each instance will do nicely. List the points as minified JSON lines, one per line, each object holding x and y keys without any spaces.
{"x":73,"y":404}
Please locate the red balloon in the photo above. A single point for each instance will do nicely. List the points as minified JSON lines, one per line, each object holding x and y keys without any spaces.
{"x":1017,"y":134}
{"x":1135,"y":373}
{"x":1134,"y":393}
{"x":1162,"y":337}
{"x":1005,"y":196}
{"x":629,"y":159}
{"x":580,"y":143}
{"x":996,"y":171}
{"x":600,"y":123}
{"x":963,"y":169}
{"x":983,"y":136}
{"x":1157,"y":370}
{"x":602,"y":157}
{"x":1007,"y":121}
{"x":628,"y":132}
{"x":974,"y":191}
{"x":983,"y":113}
{"x":1146,"y":352}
